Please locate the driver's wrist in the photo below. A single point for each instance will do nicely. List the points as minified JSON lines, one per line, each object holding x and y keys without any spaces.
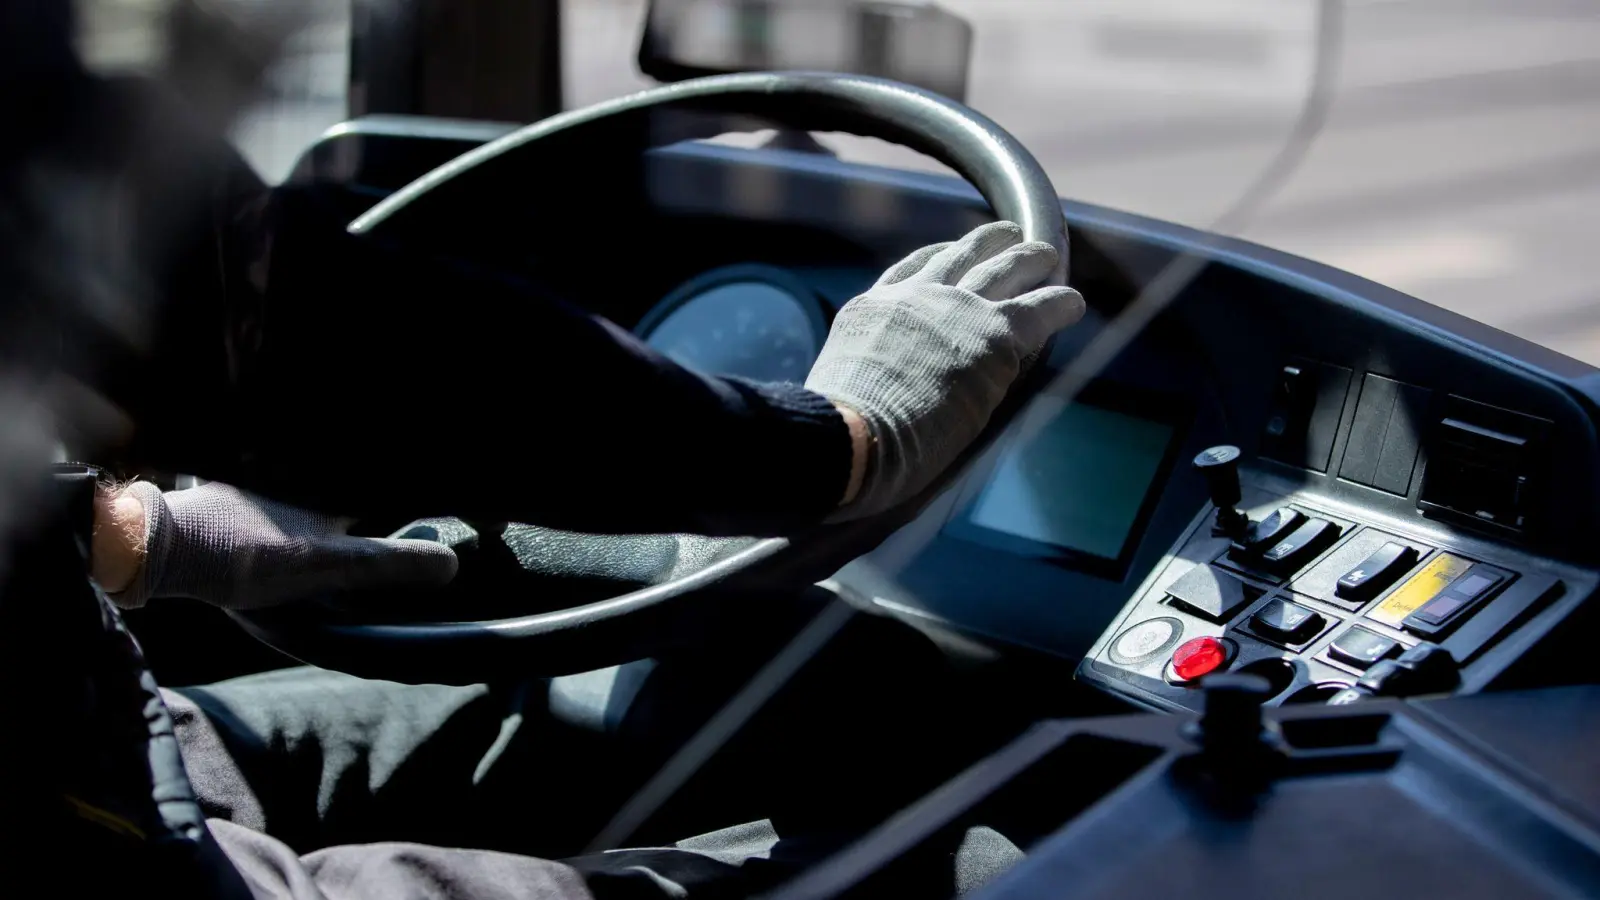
{"x":860,"y":452}
{"x":119,"y":535}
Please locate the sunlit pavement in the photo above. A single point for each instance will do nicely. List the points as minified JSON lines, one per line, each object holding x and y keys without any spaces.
{"x":1461,"y":162}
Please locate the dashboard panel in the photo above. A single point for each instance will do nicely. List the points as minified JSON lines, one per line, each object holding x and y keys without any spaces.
{"x":1436,"y":451}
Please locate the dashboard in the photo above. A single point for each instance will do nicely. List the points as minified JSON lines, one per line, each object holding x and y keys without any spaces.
{"x":1411,"y":485}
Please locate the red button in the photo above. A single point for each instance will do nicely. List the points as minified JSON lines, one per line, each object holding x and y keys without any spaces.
{"x":1198,"y":657}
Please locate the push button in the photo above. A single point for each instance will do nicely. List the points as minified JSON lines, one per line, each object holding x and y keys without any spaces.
{"x":1198,"y":658}
{"x":1289,"y":554}
{"x":1432,"y":669}
{"x":1475,"y":583}
{"x":1145,"y":640}
{"x":1439,"y":610}
{"x":1423,"y":669}
{"x":1361,"y":648}
{"x":1383,"y":678}
{"x":1376,"y":572}
{"x":1276,"y":526}
{"x":1287,"y":623}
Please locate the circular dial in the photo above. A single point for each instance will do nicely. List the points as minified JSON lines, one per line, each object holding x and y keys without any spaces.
{"x":751,"y":329}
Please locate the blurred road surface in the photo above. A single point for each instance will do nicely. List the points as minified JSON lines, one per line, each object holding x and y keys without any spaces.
{"x":1461,"y":163}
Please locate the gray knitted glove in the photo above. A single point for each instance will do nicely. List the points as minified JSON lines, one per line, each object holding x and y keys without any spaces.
{"x":238,"y":551}
{"x":927,"y":354}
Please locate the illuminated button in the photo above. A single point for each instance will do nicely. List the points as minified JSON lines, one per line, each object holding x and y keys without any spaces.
{"x":1199,"y":657}
{"x":1146,"y":639}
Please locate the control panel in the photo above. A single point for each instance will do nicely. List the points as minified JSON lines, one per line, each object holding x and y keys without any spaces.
{"x":1327,"y":602}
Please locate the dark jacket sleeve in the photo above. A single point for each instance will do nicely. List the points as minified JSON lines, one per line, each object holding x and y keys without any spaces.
{"x":375,"y":380}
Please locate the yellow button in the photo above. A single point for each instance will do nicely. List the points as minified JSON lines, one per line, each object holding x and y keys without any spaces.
{"x":1419,"y":589}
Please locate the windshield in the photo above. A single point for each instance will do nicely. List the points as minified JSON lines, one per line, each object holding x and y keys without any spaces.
{"x":1461,"y":177}
{"x":1465,"y":178}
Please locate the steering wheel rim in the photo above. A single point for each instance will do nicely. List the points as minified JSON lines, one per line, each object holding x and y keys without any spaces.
{"x":620,"y":629}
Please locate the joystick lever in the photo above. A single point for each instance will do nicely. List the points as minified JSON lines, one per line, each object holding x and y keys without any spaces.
{"x":1220,"y":467}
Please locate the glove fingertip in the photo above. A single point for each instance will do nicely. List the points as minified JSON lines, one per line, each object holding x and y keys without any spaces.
{"x":436,"y":563}
{"x":1003,"y":227}
{"x":980,"y":245}
{"x":1009,"y":273}
{"x":1061,"y":306}
{"x":990,"y":240}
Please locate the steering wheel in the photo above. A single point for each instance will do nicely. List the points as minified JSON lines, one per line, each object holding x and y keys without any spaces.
{"x":660,"y":582}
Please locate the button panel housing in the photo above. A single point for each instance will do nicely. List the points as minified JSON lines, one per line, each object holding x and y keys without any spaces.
{"x":1297,"y":613}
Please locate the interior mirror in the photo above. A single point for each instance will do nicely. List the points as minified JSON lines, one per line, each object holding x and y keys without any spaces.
{"x":917,"y":43}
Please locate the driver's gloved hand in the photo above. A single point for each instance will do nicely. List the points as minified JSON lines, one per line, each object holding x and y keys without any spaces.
{"x":926,"y":355}
{"x":236,"y":550}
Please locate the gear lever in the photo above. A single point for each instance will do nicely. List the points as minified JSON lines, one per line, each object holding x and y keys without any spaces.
{"x":1220,"y":467}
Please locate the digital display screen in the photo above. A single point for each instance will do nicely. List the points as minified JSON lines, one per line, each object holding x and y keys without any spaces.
{"x":1078,"y":487}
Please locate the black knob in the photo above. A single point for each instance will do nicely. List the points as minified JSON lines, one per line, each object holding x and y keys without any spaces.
{"x":1233,"y":709}
{"x":1220,"y":467}
{"x":1238,"y":757}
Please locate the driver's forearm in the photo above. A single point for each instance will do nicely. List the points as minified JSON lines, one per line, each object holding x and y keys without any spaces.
{"x":382,"y":383}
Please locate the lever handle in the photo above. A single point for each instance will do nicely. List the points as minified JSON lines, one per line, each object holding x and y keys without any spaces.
{"x":1220,"y":467}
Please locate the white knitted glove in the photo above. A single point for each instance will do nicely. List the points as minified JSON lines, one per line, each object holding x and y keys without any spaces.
{"x":926,"y":355}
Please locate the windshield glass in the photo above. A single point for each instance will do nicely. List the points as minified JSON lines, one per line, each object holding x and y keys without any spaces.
{"x":1462,"y":177}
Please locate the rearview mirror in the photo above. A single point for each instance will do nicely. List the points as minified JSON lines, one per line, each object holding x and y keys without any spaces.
{"x":917,"y":43}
